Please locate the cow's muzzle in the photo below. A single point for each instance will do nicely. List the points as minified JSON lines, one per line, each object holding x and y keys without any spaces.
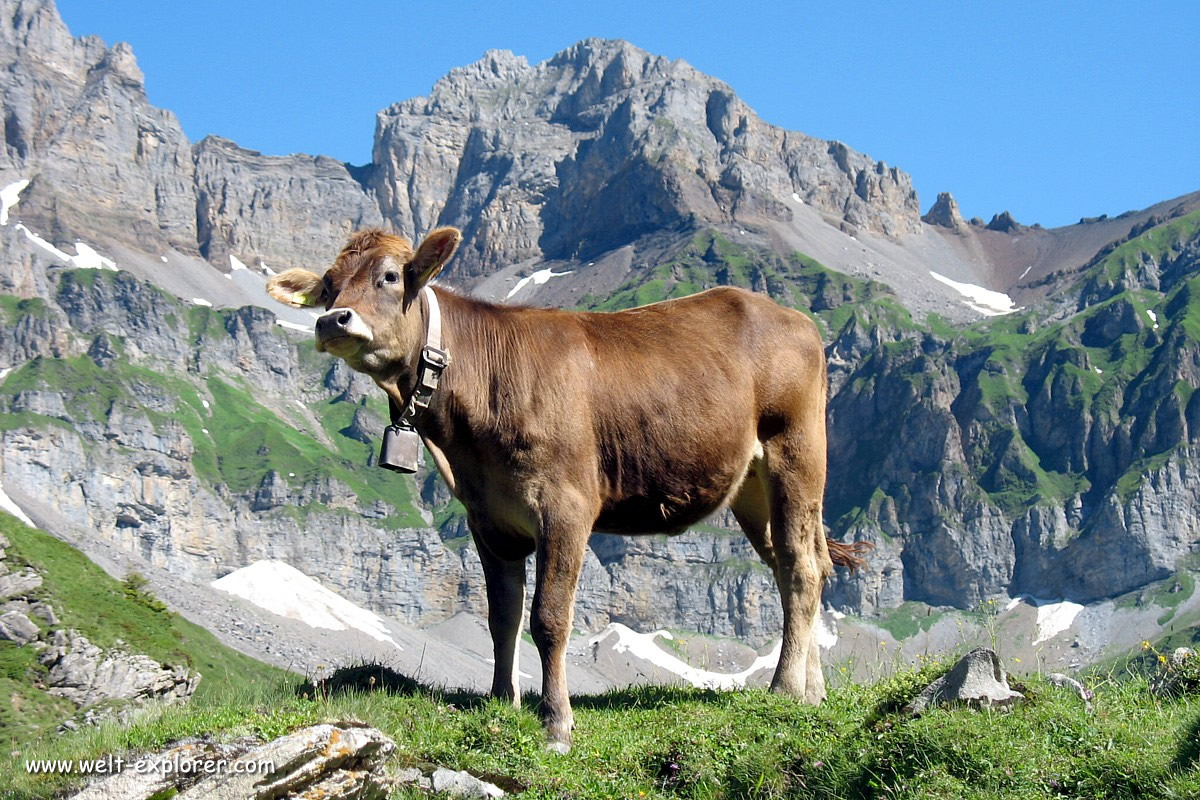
{"x":341,"y":329}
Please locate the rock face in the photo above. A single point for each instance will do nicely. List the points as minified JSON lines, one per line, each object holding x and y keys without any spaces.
{"x":261,"y":208}
{"x":600,"y":145}
{"x":586,"y":152}
{"x":76,"y":122}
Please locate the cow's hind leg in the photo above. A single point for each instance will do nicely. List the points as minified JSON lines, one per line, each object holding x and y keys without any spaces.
{"x":795,"y":484}
{"x":752,"y":509}
{"x":504,"y":575}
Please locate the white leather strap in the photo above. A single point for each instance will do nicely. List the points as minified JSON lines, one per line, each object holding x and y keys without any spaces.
{"x":433,"y":336}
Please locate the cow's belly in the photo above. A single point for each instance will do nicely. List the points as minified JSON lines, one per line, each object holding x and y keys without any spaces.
{"x":668,"y":505}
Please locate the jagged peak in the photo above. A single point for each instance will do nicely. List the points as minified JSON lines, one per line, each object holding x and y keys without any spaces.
{"x":119,"y":62}
{"x":1004,"y":223}
{"x":945,"y":213}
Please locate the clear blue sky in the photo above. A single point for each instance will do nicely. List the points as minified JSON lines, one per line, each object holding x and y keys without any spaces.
{"x":1052,"y":110}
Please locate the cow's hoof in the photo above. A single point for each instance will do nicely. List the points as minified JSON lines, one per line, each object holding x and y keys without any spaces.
{"x":562,"y":748}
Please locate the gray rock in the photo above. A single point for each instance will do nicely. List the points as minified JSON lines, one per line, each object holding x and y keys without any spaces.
{"x":19,"y":584}
{"x":414,"y":776}
{"x":285,"y":211}
{"x":463,"y":784}
{"x":944,"y":213}
{"x":977,"y":680}
{"x":566,"y":159}
{"x":84,"y":674}
{"x":45,"y":613}
{"x":1065,"y":682}
{"x":327,"y":761}
{"x":16,"y":627}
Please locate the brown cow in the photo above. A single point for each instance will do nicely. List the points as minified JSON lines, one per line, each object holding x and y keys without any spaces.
{"x":550,"y":424}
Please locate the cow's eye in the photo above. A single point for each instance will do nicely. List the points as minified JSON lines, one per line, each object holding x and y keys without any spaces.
{"x":391,"y":276}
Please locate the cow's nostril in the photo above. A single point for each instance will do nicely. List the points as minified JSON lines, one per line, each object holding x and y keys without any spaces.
{"x":343,"y":318}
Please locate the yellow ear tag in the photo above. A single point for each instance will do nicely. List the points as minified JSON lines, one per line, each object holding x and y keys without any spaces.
{"x":302,"y":299}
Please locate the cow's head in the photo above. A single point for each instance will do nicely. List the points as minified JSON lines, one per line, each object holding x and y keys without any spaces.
{"x":369,"y":295}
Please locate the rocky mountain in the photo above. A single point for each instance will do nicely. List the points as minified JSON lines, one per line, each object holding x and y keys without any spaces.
{"x":163,"y":411}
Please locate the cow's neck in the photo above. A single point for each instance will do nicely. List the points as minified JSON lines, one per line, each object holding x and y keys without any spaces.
{"x":402,"y":383}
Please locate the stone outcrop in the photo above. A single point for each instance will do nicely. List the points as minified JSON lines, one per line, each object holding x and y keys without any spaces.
{"x":944,"y":213}
{"x":85,"y":674}
{"x":330,"y":761}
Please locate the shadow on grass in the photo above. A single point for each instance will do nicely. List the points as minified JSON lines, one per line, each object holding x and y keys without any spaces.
{"x":367,"y":678}
{"x":1187,"y":754}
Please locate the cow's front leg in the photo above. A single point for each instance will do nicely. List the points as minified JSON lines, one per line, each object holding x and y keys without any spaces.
{"x":560,"y":551}
{"x":505,"y":579}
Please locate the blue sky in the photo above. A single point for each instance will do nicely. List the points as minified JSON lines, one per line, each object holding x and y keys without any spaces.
{"x":1051,"y":110}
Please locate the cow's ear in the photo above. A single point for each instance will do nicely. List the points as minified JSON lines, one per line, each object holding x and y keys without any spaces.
{"x":432,"y":255}
{"x":297,"y":287}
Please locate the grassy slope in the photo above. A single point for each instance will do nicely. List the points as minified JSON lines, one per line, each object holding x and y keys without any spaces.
{"x":671,"y":743}
{"x":87,"y":599}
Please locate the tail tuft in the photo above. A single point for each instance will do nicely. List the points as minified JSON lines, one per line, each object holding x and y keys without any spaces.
{"x":848,"y":555}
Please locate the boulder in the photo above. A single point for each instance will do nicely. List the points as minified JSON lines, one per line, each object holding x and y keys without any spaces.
{"x":976,"y":680}
{"x":330,"y":761}
{"x":16,"y":627}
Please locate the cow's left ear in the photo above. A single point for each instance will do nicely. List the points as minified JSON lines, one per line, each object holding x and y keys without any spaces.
{"x":299,"y":288}
{"x":432,"y":255}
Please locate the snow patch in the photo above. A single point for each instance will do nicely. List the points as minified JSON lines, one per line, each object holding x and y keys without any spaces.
{"x":234,"y":263}
{"x":200,"y":301}
{"x":288,"y":592}
{"x":9,"y":196}
{"x":163,"y":259}
{"x":642,"y":646}
{"x":797,"y":197}
{"x":204,"y":431}
{"x":42,"y":243}
{"x":8,"y":505}
{"x":87,"y":258}
{"x":293,"y":325}
{"x":1053,"y":616}
{"x":1153,"y":318}
{"x":1026,"y":272}
{"x":1098,"y":370}
{"x":538,"y":278}
{"x":204,"y":403}
{"x":826,"y":634}
{"x":267,"y":269}
{"x":4,"y":372}
{"x":985,"y":301}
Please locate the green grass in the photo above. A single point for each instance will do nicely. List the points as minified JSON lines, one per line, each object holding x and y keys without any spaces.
{"x":657,"y":742}
{"x":908,"y":619}
{"x":103,"y":609}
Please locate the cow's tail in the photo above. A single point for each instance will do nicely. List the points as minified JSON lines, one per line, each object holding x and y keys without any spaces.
{"x":848,"y":554}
